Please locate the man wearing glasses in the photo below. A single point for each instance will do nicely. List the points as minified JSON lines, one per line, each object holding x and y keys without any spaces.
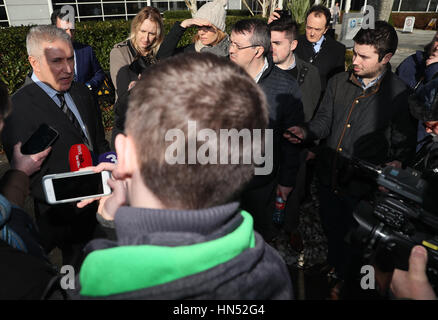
{"x":249,"y":48}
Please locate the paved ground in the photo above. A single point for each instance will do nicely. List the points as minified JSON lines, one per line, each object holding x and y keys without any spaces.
{"x":408,"y":43}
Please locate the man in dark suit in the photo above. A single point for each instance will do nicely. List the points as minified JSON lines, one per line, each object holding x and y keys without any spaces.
{"x":49,"y":96}
{"x":321,"y":50}
{"x":87,"y":68}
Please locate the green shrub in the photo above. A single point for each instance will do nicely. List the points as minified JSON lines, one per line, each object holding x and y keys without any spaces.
{"x":348,"y":59}
{"x":391,"y":20}
{"x":238,"y":13}
{"x":177,"y":14}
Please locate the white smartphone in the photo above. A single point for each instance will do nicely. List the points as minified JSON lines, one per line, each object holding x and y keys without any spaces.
{"x":75,"y":186}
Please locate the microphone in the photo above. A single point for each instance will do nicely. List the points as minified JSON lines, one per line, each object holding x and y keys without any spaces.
{"x":79,"y":157}
{"x":108,"y":157}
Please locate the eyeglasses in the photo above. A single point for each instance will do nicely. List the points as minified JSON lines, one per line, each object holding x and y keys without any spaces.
{"x":431,"y":127}
{"x":233,"y":44}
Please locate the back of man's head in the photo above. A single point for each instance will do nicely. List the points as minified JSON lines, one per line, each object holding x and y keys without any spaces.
{"x":211,"y":93}
{"x":43,"y":33}
{"x":320,"y":10}
{"x":285,"y":25}
{"x":259,"y":30}
{"x":383,"y":38}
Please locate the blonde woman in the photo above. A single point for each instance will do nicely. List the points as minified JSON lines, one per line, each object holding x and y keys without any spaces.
{"x":141,"y":48}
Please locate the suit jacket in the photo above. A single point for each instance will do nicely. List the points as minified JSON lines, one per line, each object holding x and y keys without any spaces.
{"x":31,"y":107}
{"x":88,"y":67}
{"x":330,"y":59}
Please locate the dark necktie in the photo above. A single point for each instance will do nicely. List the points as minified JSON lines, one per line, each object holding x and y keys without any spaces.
{"x":70,"y":115}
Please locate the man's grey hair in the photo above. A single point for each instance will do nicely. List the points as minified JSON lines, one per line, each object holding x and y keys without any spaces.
{"x":259,"y":30}
{"x":46,"y":33}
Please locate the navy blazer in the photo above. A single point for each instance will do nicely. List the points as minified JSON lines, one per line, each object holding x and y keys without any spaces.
{"x":88,"y":68}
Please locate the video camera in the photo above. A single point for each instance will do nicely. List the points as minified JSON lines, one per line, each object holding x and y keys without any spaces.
{"x":394,"y":222}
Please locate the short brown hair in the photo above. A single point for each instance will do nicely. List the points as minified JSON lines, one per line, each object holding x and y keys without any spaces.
{"x":215,"y":93}
{"x":154,"y":15}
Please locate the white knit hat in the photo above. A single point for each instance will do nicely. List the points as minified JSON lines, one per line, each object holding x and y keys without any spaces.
{"x":214,"y":12}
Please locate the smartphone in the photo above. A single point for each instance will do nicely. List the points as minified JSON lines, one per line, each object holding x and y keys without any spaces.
{"x":292,"y":135}
{"x":40,"y":140}
{"x":75,"y":186}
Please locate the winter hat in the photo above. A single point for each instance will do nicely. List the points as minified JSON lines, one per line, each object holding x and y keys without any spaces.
{"x":214,"y":12}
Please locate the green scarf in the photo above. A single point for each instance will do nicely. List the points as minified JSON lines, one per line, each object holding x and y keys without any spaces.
{"x":129,"y":268}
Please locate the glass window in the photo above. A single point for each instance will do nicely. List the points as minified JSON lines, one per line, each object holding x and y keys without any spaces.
{"x":133,"y":8}
{"x":3,"y":14}
{"x":162,"y":6}
{"x":90,"y":10}
{"x":433,"y":5}
{"x":418,"y":5}
{"x":114,"y":8}
{"x":395,"y":5}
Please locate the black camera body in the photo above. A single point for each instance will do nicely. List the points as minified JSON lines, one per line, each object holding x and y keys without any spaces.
{"x":394,"y":222}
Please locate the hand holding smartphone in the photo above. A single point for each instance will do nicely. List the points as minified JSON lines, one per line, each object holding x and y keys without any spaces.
{"x":290,"y":136}
{"x":75,"y":186}
{"x":40,"y":140}
{"x":108,"y":205}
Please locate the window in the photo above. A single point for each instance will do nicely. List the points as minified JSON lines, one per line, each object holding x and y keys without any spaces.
{"x":418,"y":5}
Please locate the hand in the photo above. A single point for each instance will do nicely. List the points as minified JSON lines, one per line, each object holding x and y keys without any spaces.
{"x":413,"y":284}
{"x":298,"y":131}
{"x":310,"y":155}
{"x":274,"y":16}
{"x":29,"y":164}
{"x":195,"y":22}
{"x":131,"y":85}
{"x":432,"y":58}
{"x":108,"y":205}
{"x":396,"y":164}
{"x":284,"y":191}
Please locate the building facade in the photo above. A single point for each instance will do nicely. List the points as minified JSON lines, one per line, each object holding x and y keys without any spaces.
{"x":28,"y":12}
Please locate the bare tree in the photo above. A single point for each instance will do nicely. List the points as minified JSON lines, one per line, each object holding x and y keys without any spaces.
{"x":191,"y":4}
{"x":268,"y":6}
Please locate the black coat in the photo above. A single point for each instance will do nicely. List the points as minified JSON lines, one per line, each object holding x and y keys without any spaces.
{"x":285,"y":110}
{"x":330,"y":59}
{"x":373,"y":125}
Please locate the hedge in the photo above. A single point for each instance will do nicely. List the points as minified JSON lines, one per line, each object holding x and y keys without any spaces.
{"x":101,"y":35}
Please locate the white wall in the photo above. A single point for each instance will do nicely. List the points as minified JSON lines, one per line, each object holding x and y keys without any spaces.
{"x":27,"y":12}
